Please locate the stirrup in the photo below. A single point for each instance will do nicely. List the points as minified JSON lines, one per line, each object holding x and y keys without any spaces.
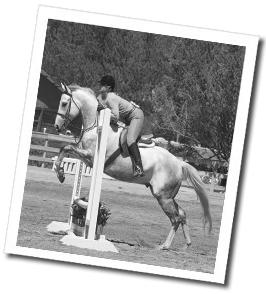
{"x":138,"y":172}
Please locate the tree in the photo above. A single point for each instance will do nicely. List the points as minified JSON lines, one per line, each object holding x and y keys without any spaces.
{"x":188,"y":89}
{"x":203,"y":109}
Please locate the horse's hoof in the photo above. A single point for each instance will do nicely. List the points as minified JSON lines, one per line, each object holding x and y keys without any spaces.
{"x":61,"y":179}
{"x":186,"y":246}
{"x":161,"y":247}
{"x":60,"y":175}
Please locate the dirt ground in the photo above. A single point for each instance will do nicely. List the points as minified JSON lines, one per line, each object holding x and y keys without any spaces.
{"x":136,"y":226}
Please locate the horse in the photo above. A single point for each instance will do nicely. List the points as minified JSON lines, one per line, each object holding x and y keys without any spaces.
{"x":164,"y":172}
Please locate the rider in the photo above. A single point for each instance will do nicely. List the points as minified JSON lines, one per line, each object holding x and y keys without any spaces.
{"x":129,"y":112}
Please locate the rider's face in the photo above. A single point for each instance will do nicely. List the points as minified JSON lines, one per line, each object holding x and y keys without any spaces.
{"x":104,"y":90}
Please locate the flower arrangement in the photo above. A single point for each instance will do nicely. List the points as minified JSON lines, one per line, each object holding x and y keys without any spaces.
{"x":79,"y":214}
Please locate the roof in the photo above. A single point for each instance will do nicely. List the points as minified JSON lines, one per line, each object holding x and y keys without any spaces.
{"x":49,"y":92}
{"x":50,"y":79}
{"x":41,"y":104}
{"x":205,"y":153}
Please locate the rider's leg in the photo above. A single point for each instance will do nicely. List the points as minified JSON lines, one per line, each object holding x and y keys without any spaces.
{"x":134,"y":151}
{"x":134,"y":130}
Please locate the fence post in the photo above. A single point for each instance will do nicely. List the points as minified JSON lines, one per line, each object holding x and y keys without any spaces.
{"x":45,"y":145}
{"x":212,"y":184}
{"x":39,"y":126}
{"x":214,"y":174}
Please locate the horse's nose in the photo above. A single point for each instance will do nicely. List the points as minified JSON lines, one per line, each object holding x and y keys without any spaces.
{"x":57,"y":128}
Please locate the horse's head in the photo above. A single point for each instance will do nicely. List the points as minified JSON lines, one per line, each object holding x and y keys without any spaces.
{"x":68,"y":109}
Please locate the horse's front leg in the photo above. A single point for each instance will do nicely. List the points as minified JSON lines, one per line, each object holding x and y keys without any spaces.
{"x":81,"y":154}
{"x":58,"y":169}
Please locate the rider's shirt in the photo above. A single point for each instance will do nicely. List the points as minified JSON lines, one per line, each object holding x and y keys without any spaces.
{"x":119,"y":107}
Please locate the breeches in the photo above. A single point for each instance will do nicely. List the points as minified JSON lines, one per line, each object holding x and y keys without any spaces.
{"x":136,"y":119}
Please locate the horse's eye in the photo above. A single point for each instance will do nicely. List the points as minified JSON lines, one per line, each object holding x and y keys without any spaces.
{"x":64,"y":104}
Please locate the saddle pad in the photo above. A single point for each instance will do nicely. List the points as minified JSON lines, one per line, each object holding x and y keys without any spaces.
{"x":143,"y":142}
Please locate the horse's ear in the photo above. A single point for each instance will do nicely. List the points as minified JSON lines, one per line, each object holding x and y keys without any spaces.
{"x":63,"y":87}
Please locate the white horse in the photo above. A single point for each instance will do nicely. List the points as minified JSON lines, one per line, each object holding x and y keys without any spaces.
{"x":163,"y":171}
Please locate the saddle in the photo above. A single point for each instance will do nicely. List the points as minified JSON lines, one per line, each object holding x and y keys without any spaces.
{"x":144,"y":141}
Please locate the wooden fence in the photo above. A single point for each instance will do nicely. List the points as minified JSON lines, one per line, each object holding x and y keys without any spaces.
{"x":52,"y":144}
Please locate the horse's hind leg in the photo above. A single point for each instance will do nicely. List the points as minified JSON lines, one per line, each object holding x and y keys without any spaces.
{"x":176,"y":215}
{"x":183,"y":220}
{"x":170,"y":210}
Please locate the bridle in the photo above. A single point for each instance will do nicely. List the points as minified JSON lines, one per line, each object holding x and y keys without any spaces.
{"x":67,"y":121}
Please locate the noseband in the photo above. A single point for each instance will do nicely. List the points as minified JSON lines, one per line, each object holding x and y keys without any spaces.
{"x":65,"y":117}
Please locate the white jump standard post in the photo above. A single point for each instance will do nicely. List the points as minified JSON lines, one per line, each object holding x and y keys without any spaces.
{"x":70,"y":228}
{"x":88,"y":240}
{"x":76,"y":230}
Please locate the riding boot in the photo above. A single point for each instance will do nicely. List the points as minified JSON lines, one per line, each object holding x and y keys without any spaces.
{"x":134,"y":151}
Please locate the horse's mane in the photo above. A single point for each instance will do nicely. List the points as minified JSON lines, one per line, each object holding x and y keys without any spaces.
{"x":75,"y":87}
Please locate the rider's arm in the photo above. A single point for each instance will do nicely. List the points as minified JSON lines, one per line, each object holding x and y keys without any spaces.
{"x":112,"y":103}
{"x":101,"y":105}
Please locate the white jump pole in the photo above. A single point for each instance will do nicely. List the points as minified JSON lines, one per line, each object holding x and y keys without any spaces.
{"x":97,"y":175}
{"x":88,"y":240}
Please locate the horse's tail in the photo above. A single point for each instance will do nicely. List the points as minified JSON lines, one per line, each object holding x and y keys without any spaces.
{"x":189,"y":172}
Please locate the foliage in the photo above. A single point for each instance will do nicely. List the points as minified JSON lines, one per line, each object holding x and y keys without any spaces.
{"x":193,"y":158}
{"x":187,"y":88}
{"x":203,"y":108}
{"x":80,"y":214}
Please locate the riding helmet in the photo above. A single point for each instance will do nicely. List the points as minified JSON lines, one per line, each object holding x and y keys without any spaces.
{"x":108,"y":81}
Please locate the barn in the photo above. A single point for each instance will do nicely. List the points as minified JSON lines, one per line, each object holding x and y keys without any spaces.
{"x":48,"y":97}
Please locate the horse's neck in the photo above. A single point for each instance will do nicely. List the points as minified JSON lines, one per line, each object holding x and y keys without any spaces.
{"x":89,"y":121}
{"x":88,"y":111}
{"x":89,"y":141}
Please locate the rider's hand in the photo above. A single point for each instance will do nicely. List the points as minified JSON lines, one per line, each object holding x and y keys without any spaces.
{"x":120,"y":124}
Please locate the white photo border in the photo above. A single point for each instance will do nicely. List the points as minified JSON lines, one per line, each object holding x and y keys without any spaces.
{"x":248,"y":41}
